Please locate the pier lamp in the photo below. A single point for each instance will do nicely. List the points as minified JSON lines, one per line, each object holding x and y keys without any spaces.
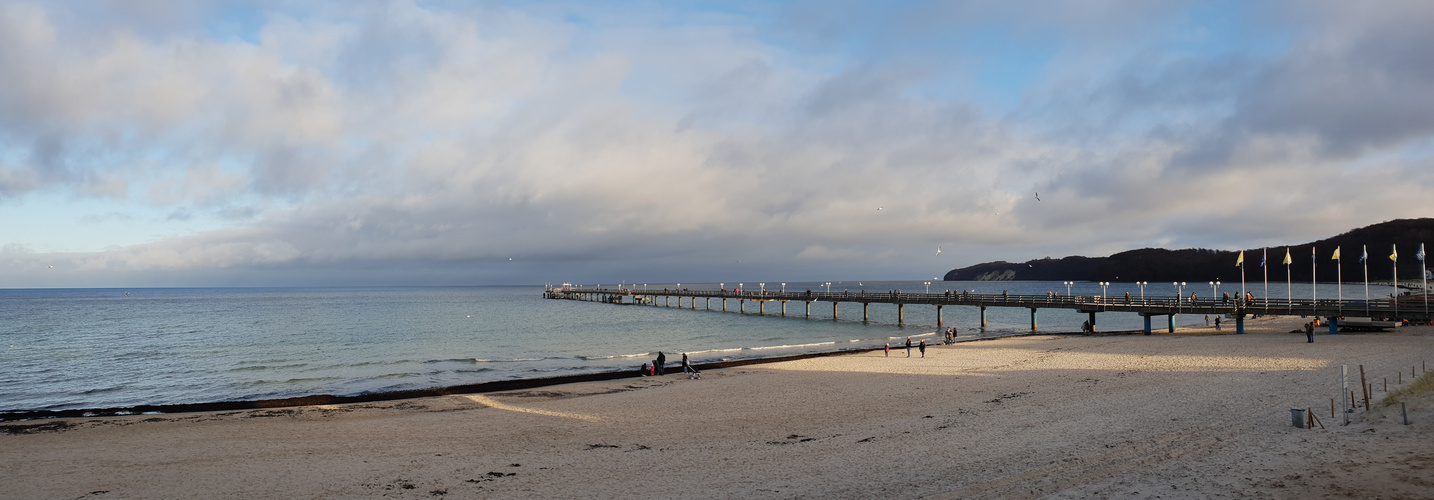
{"x":1216,"y":293}
{"x":739,"y":286}
{"x":1068,"y":287}
{"x":928,"y":286}
{"x":829,"y":287}
{"x":784,"y":288}
{"x":763,"y":287}
{"x":722,"y":286}
{"x":1142,"y":284}
{"x":644,"y":288}
{"x":1104,"y":285}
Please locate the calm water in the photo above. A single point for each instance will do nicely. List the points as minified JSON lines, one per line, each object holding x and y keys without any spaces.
{"x":108,"y":348}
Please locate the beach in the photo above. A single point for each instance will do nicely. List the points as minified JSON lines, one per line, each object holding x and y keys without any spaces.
{"x":1194,"y":414}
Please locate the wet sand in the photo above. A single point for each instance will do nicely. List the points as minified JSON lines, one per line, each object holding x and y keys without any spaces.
{"x":1195,"y":414}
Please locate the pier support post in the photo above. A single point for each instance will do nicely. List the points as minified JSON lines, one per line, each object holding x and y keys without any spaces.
{"x":1147,"y":323}
{"x":1033,"y":319}
{"x":1240,"y":324}
{"x":900,"y":314}
{"x":742,"y":306}
{"x":938,"y":315}
{"x":1170,"y":318}
{"x":784,"y":308}
{"x":666,"y":301}
{"x":983,"y":317}
{"x":864,"y":316}
{"x":709,"y":303}
{"x":762,"y":307}
{"x":1092,"y":322}
{"x":724,"y":304}
{"x":1333,"y":325}
{"x":834,"y":310}
{"x":809,"y":308}
{"x":694,"y":302}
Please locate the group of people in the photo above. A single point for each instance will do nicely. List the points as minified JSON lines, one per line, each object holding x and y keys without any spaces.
{"x":920,"y":346}
{"x":951,"y":335}
{"x":659,"y":366}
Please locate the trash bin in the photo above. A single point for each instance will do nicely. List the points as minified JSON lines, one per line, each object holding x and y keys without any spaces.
{"x":1297,"y":417}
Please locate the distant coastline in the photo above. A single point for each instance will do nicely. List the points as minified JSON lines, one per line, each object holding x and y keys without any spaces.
{"x":1198,"y":264}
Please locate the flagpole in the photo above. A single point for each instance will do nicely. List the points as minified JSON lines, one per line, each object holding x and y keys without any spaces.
{"x":1289,"y":282}
{"x":1264,"y":261}
{"x":1394,"y":259}
{"x":1424,"y":277}
{"x":1339,"y":275}
{"x":1314,"y":280}
{"x":1364,"y":259}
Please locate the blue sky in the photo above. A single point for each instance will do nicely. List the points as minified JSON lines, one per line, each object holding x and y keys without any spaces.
{"x":158,"y":143}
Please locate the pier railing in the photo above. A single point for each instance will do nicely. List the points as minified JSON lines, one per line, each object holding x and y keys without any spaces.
{"x":1146,"y":306}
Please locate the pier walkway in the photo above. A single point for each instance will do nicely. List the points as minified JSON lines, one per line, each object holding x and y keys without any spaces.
{"x":1148,"y":307}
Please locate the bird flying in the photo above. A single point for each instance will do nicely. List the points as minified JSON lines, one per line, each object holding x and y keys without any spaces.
{"x":1038,"y":196}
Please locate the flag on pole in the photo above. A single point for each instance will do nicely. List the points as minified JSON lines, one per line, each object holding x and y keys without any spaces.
{"x":1364,"y":255}
{"x":1240,"y":261}
{"x":1420,"y":255}
{"x":1288,"y":260}
{"x":1336,"y":254}
{"x":1263,"y":257}
{"x":1394,"y":256}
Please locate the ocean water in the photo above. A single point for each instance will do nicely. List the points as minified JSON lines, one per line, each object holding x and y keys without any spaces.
{"x":115,"y":348}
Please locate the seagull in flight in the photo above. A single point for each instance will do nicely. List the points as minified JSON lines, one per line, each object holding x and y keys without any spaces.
{"x":938,"y":251}
{"x":878,"y":209}
{"x":1038,"y":196}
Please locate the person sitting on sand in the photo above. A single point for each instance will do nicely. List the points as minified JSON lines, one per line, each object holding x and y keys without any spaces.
{"x":645,"y":369}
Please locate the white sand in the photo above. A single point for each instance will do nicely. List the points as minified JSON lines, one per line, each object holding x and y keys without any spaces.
{"x":1191,"y":415}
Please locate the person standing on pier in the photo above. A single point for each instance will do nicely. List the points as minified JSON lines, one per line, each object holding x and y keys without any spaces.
{"x":908,"y":347}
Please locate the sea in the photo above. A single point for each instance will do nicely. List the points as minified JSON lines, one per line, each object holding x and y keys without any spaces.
{"x":64,"y":349}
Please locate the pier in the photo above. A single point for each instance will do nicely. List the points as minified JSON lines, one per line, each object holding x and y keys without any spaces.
{"x":1148,"y":307}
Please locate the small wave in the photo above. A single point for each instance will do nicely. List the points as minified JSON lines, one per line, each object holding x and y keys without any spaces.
{"x":291,"y":381}
{"x":514,"y":360}
{"x":792,"y":346}
{"x":617,"y":356}
{"x":734,"y":349}
{"x":252,"y":368}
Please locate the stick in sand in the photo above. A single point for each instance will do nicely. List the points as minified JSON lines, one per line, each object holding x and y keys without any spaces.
{"x":1316,"y":419}
{"x":1362,"y":385}
{"x":1331,"y":407}
{"x":1367,"y":390}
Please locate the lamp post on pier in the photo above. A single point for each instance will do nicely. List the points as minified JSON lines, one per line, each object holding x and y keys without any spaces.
{"x":784,"y":288}
{"x":1142,"y":284}
{"x":1103,"y":286}
{"x":829,"y":287}
{"x":928,"y":286}
{"x":762,"y":287}
{"x":1068,"y":287}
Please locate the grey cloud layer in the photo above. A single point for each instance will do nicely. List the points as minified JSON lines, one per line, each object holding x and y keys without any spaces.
{"x":395,"y":136}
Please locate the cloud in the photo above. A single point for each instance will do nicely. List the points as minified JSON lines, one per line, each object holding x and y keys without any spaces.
{"x":421,"y":138}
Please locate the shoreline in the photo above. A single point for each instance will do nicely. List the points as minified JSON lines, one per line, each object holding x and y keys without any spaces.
{"x":477,"y":388}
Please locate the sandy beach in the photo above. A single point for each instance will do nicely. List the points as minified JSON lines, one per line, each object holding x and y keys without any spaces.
{"x":1195,"y":414}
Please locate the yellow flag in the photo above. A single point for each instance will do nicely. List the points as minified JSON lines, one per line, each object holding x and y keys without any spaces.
{"x":1394,"y":256}
{"x":1336,"y":253}
{"x":1288,"y":260}
{"x":1241,"y":259}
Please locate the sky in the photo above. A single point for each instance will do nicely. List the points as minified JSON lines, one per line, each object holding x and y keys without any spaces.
{"x":222,"y":143}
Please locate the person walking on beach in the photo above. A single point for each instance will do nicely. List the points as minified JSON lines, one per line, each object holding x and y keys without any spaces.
{"x":908,"y":347}
{"x":923,"y":348}
{"x":661,"y":363}
{"x":1217,"y":322}
{"x":888,"y":349}
{"x":686,"y":368}
{"x":1207,"y":320}
{"x":1309,"y":332}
